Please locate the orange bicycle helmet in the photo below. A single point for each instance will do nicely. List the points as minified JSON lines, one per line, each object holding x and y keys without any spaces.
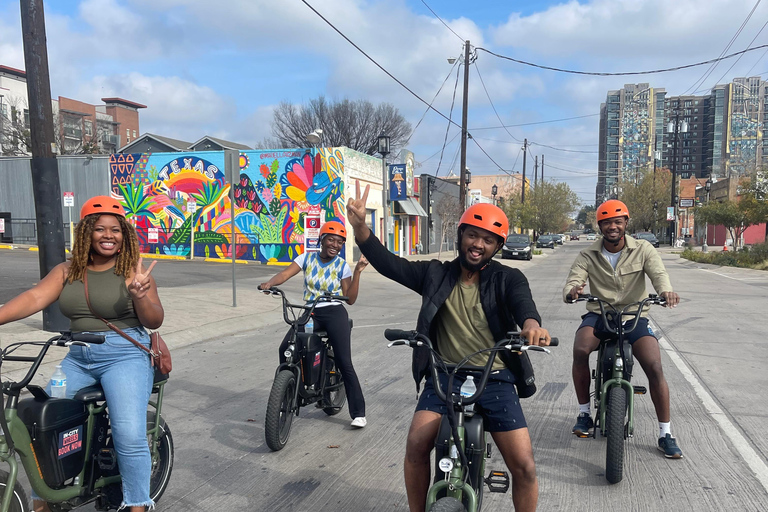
{"x":102,"y":204}
{"x":488,"y":217}
{"x":333,"y":228}
{"x":612,"y":208}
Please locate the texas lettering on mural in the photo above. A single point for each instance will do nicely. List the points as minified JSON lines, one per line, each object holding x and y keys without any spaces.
{"x":199,"y":166}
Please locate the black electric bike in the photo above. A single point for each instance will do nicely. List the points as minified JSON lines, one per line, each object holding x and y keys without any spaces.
{"x":613,"y":393}
{"x":461,"y":446}
{"x":65,"y":445}
{"x":308,"y":375}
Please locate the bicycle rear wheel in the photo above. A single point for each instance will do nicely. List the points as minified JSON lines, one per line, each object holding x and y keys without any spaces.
{"x":614,"y":422}
{"x":335,"y":399}
{"x":280,"y":410}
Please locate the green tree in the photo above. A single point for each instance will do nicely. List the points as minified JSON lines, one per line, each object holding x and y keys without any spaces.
{"x":547,"y":209}
{"x":652,"y":188}
{"x":734,"y":216}
{"x":583,"y":217}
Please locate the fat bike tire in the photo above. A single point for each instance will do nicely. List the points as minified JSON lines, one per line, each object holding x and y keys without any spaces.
{"x":614,"y":420}
{"x":447,"y":505}
{"x":162,"y":467}
{"x":280,"y":410}
{"x":19,"y":500}
{"x":335,"y":399}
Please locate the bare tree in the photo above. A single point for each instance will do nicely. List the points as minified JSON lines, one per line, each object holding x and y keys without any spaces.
{"x":356,"y":124}
{"x":15,"y":138}
{"x":448,"y":211}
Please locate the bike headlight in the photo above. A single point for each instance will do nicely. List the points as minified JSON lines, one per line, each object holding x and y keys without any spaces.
{"x":619,"y":364}
{"x":289,"y":352}
{"x":446,"y":465}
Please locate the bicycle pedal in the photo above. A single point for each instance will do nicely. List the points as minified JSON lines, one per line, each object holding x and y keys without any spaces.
{"x":640,"y":390}
{"x":497,"y":481}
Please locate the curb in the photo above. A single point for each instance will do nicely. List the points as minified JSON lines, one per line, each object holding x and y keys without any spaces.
{"x":225,"y":260}
{"x":5,"y":246}
{"x":164,"y":257}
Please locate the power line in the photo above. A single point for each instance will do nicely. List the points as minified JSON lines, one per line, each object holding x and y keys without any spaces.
{"x":709,"y":70}
{"x":377,"y":64}
{"x":431,"y":102}
{"x":441,"y":21}
{"x":561,"y":149}
{"x":740,"y":56}
{"x":492,"y":105}
{"x":450,"y":115}
{"x":439,"y":150}
{"x":626,"y":73}
{"x":534,"y":123}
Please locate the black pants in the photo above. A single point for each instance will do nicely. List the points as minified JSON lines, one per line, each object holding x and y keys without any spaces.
{"x":335,"y":321}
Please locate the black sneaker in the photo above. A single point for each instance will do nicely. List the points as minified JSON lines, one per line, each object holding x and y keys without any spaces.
{"x":668,"y":445}
{"x":583,"y":424}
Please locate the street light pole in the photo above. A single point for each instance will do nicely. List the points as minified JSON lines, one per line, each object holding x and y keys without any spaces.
{"x":675,"y":129}
{"x":522,"y":188}
{"x":704,"y":246}
{"x":383,"y":149}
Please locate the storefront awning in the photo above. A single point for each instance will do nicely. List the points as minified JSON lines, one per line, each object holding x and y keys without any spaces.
{"x":410,"y":207}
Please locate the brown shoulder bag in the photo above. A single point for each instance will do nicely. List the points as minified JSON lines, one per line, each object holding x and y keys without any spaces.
{"x":158,"y":351}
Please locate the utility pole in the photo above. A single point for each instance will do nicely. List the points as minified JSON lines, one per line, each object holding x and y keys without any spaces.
{"x":45,"y":173}
{"x":463,"y":161}
{"x":535,"y":170}
{"x":672,"y":232}
{"x":522,"y":193}
{"x":542,"y":169}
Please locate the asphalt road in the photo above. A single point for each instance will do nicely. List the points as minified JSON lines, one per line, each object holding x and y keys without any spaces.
{"x":714,"y":355}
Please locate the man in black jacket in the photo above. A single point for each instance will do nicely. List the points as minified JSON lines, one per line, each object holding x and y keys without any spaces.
{"x":467,"y":304}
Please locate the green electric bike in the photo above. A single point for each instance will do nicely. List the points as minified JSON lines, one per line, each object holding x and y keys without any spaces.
{"x":65,"y":445}
{"x":461,"y":446}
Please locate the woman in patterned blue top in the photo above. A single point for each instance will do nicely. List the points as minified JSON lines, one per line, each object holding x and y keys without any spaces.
{"x":326,"y":271}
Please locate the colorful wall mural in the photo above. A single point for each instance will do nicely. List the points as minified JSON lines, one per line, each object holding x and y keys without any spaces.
{"x":180,"y":202}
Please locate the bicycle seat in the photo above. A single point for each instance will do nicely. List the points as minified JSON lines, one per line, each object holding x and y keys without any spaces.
{"x":90,"y":394}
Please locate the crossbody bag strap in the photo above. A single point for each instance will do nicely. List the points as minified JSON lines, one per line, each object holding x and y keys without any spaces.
{"x":110,"y":324}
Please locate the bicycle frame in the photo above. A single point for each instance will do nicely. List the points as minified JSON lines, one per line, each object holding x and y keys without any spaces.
{"x":15,"y":438}
{"x":457,"y":483}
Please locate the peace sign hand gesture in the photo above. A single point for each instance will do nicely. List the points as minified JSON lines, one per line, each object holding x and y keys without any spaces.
{"x":356,"y":213}
{"x":142,"y":282}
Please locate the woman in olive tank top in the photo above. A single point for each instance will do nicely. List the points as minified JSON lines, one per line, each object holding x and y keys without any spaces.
{"x":122,"y":291}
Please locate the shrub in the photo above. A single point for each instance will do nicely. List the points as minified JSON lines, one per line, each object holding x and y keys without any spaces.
{"x":755,"y":256}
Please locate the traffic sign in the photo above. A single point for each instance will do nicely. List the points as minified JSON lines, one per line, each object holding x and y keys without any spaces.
{"x":152,"y":235}
{"x":670,"y":213}
{"x":69,"y":199}
{"x":2,"y":225}
{"x":191,"y":206}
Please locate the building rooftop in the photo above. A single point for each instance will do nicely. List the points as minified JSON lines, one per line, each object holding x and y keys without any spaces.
{"x":125,"y":103}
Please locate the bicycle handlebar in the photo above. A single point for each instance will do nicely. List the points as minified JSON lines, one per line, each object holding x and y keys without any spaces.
{"x":65,"y":339}
{"x":413,"y":339}
{"x":309,"y":307}
{"x":619,"y":327}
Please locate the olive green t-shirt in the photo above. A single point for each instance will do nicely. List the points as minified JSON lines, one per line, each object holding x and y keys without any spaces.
{"x":462,"y":328}
{"x":109,"y":299}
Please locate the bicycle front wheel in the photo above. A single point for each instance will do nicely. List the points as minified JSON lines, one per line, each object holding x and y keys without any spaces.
{"x":614,"y":422}
{"x":19,"y":500}
{"x":280,"y":410}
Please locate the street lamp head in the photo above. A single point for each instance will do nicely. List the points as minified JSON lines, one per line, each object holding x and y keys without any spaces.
{"x":494,"y":190}
{"x":684,"y":127}
{"x":671,"y":127}
{"x":708,"y":185}
{"x":383,"y":147}
{"x":451,"y":60}
{"x":315,"y":137}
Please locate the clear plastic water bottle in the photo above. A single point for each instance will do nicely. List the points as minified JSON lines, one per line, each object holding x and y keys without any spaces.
{"x":468,"y":388}
{"x":309,"y":327}
{"x":59,"y":383}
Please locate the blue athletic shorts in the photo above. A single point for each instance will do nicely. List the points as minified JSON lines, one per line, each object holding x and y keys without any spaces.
{"x":596,"y":321}
{"x":499,"y":404}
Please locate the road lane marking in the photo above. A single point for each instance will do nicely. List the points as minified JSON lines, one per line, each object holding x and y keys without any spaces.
{"x":731,"y":277}
{"x":750,"y":456}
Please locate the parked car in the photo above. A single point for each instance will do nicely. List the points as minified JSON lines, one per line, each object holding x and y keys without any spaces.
{"x":574,"y":236}
{"x":591,"y":236}
{"x":650,"y":237}
{"x":546,"y":241}
{"x":559,"y":239}
{"x":517,"y":247}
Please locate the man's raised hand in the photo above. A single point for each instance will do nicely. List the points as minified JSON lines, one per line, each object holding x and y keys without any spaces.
{"x":356,"y":213}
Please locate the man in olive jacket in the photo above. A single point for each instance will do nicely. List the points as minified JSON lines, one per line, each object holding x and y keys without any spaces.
{"x":467,"y":304}
{"x":615,"y":267}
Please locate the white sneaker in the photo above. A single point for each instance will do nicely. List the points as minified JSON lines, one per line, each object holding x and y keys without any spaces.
{"x":359,"y":422}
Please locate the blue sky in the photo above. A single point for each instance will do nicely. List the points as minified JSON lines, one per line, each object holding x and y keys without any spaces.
{"x":219,"y":68}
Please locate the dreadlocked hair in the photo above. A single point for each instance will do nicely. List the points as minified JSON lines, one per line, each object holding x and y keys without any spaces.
{"x":81,"y":249}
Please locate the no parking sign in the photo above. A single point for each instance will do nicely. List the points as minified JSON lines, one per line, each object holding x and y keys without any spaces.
{"x":312,"y":230}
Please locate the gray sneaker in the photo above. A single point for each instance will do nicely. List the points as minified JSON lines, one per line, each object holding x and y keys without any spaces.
{"x":583,"y":424}
{"x":668,"y":445}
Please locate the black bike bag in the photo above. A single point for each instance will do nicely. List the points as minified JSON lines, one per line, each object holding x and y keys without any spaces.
{"x":475,"y":443}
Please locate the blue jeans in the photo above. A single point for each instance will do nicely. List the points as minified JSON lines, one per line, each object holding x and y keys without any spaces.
{"x":126,"y":375}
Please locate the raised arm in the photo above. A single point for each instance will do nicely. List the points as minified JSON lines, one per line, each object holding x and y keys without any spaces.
{"x":350,"y":286}
{"x":45,"y":293}
{"x":146,"y":302}
{"x":577,"y":277}
{"x":282,"y":277}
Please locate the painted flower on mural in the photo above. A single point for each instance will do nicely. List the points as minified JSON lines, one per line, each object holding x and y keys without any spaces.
{"x":225,"y":250}
{"x":176,"y":250}
{"x":298,"y":178}
{"x":267,"y":195}
{"x":264,"y":170}
{"x":244,"y":161}
{"x":271,"y":252}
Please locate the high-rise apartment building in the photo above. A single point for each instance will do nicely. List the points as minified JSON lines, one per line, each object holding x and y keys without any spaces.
{"x":718,"y":134}
{"x":631,"y":124}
